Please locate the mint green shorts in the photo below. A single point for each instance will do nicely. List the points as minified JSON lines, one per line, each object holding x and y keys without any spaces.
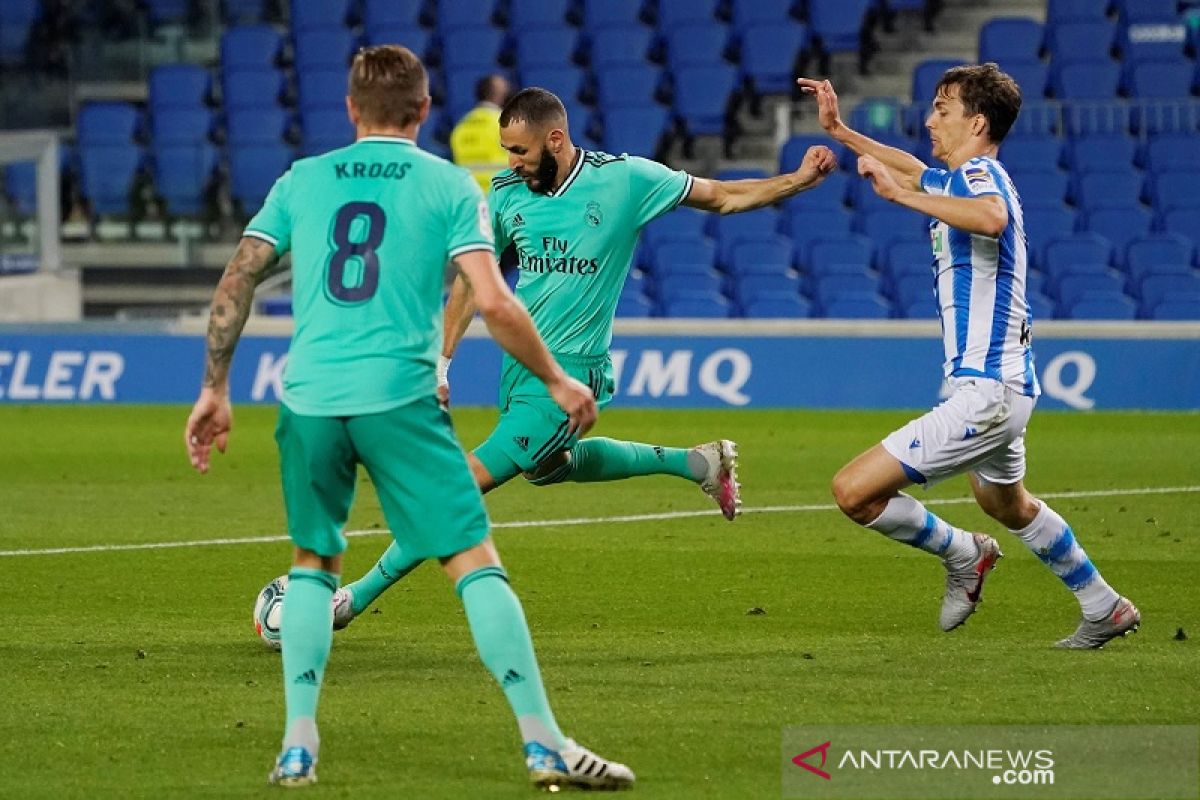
{"x":425,"y":488}
{"x":532,"y":427}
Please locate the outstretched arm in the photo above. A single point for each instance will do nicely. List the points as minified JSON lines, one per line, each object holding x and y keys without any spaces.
{"x":731,"y":197}
{"x":460,"y":309}
{"x":212,"y":416}
{"x":906,"y":168}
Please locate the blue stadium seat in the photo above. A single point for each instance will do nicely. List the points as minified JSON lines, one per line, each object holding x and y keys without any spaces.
{"x":1184,"y":221}
{"x":1038,"y":118}
{"x":319,"y":14}
{"x":1085,"y":80}
{"x":672,"y":285}
{"x":697,"y":306}
{"x":566,"y":82}
{"x":1084,"y":40}
{"x":1167,"y":252}
{"x":429,"y":136}
{"x":682,"y":224}
{"x":178,"y":86}
{"x":886,"y":226}
{"x":1174,"y":189}
{"x":417,"y":39}
{"x":259,"y":88}
{"x":793,"y":150}
{"x":908,"y":258}
{"x":1108,"y":189}
{"x":769,"y":56}
{"x":619,"y":46}
{"x":1119,"y":225}
{"x":777,"y":306}
{"x":756,"y":12}
{"x":695,"y":45}
{"x":1098,"y":306}
{"x":910,"y":288}
{"x":1028,"y":153}
{"x":635,"y":306}
{"x":862,"y":197}
{"x":324,"y":88}
{"x":627,"y":87}
{"x":838,"y":23}
{"x":1003,"y":39}
{"x":1160,"y":79}
{"x":1043,"y":224}
{"x":455,"y":14}
{"x":1076,"y":252}
{"x":1100,"y":152}
{"x":1060,"y":11}
{"x":637,"y":131}
{"x":324,"y":129}
{"x":855,"y":305}
{"x":529,"y":15}
{"x":1033,"y":78}
{"x":842,"y":281}
{"x":599,"y":13}
{"x":474,"y":47}
{"x":761,"y":256}
{"x":1172,"y":151}
{"x":878,"y":115}
{"x":1150,"y":117}
{"x":183,"y":175}
{"x":181,"y":126}
{"x":253,"y":170}
{"x":674,"y":13}
{"x":810,"y":225}
{"x":242,"y":12}
{"x":1140,"y":12}
{"x":545,"y":47}
{"x":1164,"y":41}
{"x":1181,"y":308}
{"x":107,"y":173}
{"x":677,"y":257}
{"x":1040,"y":188}
{"x":702,"y":96}
{"x":1097,"y":119}
{"x":20,"y":187}
{"x":926,"y":76}
{"x":391,"y":14}
{"x":1155,"y":288}
{"x":748,"y":287}
{"x":323,"y":49}
{"x":825,"y":255}
{"x":1072,"y":287}
{"x":107,"y":123}
{"x":832,"y":190}
{"x":729,"y":230}
{"x":245,"y":126}
{"x":250,"y":47}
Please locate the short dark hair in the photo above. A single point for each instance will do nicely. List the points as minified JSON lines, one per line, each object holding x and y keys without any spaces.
{"x":533,"y":106}
{"x":490,"y":88}
{"x":388,"y":85}
{"x":984,"y":89}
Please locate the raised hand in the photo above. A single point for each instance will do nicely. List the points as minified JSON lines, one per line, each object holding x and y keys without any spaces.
{"x":827,"y":102}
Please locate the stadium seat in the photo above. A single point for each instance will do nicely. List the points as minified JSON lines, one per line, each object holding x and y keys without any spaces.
{"x":259,"y":88}
{"x":908,"y":258}
{"x":1156,"y":287}
{"x":1004,"y":39}
{"x":777,"y":306}
{"x":856,"y":305}
{"x":1085,"y":80}
{"x":1080,"y":41}
{"x":545,"y":47}
{"x":321,"y":89}
{"x":769,"y":56}
{"x":672,"y":14}
{"x":1043,"y":224}
{"x":824,"y":255}
{"x":245,"y":126}
{"x":530,"y":15}
{"x":1060,"y":11}
{"x":317,"y":15}
{"x":682,"y":224}
{"x":636,"y":131}
{"x":1159,"y":251}
{"x":1097,"y":118}
{"x":253,"y":170}
{"x":1046,"y":187}
{"x":679,"y":257}
{"x":635,"y":306}
{"x":908,"y":289}
{"x":324,"y":129}
{"x":1179,"y":308}
{"x":1065,"y":252}
{"x":701,"y":98}
{"x":831,"y":190}
{"x":429,"y":137}
{"x":472,"y":47}
{"x":1029,"y":153}
{"x":1174,"y":189}
{"x":748,"y":287}
{"x":810,"y":225}
{"x":1100,"y":152}
{"x":729,"y":230}
{"x":242,"y":12}
{"x":1040,"y":306}
{"x":1141,"y":12}
{"x":619,"y":46}
{"x":599,"y":13}
{"x":697,"y":306}
{"x":414,"y":38}
{"x":1071,"y":288}
{"x":1184,"y":221}
{"x":566,"y":82}
{"x":181,"y":126}
{"x":793,"y":150}
{"x":695,"y":44}
{"x":455,"y":14}
{"x":182,"y":176}
{"x":627,"y":87}
{"x":391,"y":14}
{"x":1101,"y":306}
{"x":863,"y":198}
{"x":1172,"y":151}
{"x":766,"y":255}
{"x":926,"y":76}
{"x":1160,"y":80}
{"x":323,"y":49}
{"x":250,"y":47}
{"x":1038,"y":118}
{"x":107,"y":173}
{"x":878,"y":115}
{"x":886,"y":226}
{"x":1033,"y":78}
{"x":757,"y":12}
{"x":178,"y":86}
{"x":1108,"y":189}
{"x":838,"y":24}
{"x":1119,"y":225}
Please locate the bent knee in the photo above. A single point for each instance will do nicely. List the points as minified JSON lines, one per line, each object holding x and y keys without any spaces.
{"x":850,"y":495}
{"x":553,"y":470}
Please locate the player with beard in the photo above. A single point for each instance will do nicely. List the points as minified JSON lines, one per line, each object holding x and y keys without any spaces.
{"x":574,"y":217}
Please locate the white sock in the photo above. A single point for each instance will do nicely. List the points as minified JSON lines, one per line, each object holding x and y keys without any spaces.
{"x":906,"y":520}
{"x":1053,"y":542}
{"x":303,"y":733}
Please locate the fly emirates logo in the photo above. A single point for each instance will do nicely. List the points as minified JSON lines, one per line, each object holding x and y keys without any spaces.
{"x":554,"y":258}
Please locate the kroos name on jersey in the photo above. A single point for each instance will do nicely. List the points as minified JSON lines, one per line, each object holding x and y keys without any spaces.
{"x":395,"y":170}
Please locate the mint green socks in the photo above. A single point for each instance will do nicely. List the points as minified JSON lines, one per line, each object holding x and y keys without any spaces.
{"x":601,"y":459}
{"x":307,"y":632}
{"x":502,"y":638}
{"x":390,"y":568}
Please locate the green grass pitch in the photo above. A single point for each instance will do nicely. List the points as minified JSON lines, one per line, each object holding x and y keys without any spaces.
{"x":136,"y":673}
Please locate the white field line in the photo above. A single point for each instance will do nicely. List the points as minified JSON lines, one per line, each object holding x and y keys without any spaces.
{"x":556,"y":523}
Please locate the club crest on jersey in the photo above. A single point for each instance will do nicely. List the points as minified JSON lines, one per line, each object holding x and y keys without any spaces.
{"x":977,"y":177}
{"x":592,"y":215}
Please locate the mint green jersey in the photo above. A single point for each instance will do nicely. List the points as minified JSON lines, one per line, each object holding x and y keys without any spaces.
{"x":370,"y":228}
{"x":575,"y":244}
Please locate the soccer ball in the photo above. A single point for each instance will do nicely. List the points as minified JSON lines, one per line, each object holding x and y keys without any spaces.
{"x":268,"y":612}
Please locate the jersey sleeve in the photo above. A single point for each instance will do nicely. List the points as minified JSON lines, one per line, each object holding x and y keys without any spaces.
{"x":934,"y":180}
{"x":503,"y":240}
{"x":973,"y":179}
{"x":655,"y":189}
{"x":471,"y":220}
{"x":273,"y":222}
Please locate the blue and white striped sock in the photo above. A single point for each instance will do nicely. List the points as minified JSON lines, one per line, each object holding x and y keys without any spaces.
{"x":906,"y":520}
{"x":1052,"y":540}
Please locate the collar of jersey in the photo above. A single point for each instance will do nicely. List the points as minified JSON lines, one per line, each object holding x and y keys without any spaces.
{"x":575,"y":170}
{"x":378,"y":137}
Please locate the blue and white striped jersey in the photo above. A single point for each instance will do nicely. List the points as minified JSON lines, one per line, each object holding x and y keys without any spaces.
{"x":979,"y":283}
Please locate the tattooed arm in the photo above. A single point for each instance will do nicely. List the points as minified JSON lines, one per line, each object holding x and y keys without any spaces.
{"x":212,"y":416}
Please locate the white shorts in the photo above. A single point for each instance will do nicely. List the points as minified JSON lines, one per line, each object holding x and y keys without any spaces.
{"x":980,"y":428}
